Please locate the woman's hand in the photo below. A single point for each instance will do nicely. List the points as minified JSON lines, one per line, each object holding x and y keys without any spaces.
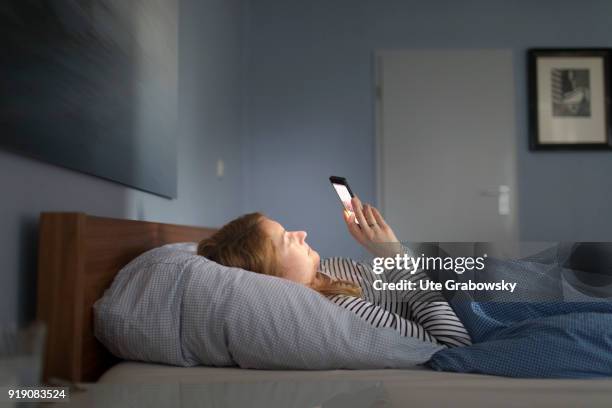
{"x":372,"y":231}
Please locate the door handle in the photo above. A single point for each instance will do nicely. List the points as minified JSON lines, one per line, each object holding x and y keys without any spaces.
{"x":503,"y":198}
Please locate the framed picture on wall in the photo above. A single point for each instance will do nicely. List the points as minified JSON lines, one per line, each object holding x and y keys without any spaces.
{"x":569,"y":107}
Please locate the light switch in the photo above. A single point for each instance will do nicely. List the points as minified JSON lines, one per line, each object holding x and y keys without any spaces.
{"x":504,"y":200}
{"x":220,"y":168}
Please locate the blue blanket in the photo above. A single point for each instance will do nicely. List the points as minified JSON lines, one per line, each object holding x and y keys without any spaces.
{"x":554,"y":340}
{"x":536,"y":339}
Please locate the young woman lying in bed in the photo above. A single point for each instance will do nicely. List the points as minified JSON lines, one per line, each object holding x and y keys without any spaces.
{"x":259,"y":244}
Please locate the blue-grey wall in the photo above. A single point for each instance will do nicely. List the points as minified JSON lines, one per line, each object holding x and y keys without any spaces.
{"x":310,"y":105}
{"x":210,"y":98}
{"x":303,"y":70}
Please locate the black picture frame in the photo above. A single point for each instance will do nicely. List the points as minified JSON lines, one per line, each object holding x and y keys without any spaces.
{"x":569,"y":99}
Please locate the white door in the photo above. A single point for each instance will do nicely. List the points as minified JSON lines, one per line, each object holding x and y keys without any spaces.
{"x":446,"y":144}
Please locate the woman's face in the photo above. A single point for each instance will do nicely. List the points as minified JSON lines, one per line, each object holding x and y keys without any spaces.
{"x":299,"y":262}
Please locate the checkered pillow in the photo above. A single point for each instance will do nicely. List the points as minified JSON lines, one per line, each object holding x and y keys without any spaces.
{"x":172,"y":306}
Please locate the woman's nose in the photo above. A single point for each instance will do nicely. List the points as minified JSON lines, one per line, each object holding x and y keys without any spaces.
{"x":301,"y":235}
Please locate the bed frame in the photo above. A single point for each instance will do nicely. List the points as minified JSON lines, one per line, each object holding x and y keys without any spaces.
{"x":79,"y":255}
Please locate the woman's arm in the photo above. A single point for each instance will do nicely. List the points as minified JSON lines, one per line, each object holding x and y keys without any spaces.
{"x":426,"y":308}
{"x":421,"y":314}
{"x":429,"y":309}
{"x":379,"y":317}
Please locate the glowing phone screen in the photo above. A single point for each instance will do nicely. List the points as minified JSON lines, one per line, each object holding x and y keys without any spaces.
{"x":345,"y":197}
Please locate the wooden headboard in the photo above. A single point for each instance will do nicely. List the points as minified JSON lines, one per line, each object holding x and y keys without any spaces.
{"x":79,"y":255}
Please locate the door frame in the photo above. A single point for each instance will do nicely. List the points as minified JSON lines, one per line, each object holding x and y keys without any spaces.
{"x":378,"y":130}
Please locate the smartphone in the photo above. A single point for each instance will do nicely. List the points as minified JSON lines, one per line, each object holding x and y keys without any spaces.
{"x":344,"y":193}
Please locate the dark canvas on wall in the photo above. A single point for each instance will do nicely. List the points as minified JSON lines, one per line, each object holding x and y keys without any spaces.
{"x":92,"y":85}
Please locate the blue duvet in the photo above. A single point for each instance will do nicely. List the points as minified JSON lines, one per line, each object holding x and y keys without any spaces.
{"x":537,"y":339}
{"x":562,"y":340}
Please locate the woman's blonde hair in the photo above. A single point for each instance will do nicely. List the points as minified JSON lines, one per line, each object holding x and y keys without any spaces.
{"x":243,"y":243}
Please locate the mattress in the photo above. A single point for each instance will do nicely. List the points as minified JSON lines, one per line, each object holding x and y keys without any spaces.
{"x":235,"y":387}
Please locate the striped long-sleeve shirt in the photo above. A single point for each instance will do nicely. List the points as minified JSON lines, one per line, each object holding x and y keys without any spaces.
{"x":423,"y":314}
